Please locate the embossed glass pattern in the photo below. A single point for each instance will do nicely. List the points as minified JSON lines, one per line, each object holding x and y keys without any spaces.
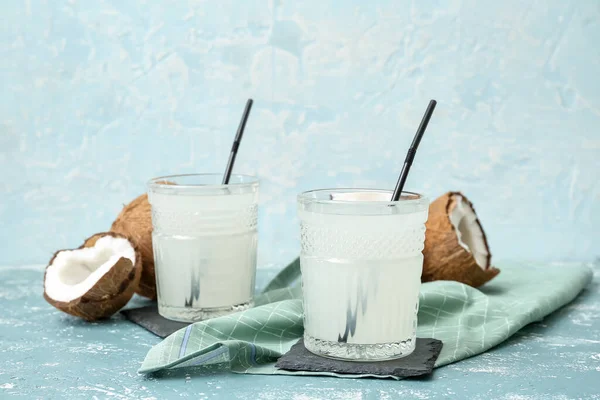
{"x":204,"y":240}
{"x":361,"y":266}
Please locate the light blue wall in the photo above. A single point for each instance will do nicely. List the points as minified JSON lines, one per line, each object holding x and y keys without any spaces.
{"x":99,"y":96}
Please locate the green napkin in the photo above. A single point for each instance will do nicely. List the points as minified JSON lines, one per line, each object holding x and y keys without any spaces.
{"x":468,"y":321}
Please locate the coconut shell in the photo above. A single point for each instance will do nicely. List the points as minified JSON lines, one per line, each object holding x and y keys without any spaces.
{"x":135,"y":223}
{"x":444,"y":258}
{"x":110,"y":293}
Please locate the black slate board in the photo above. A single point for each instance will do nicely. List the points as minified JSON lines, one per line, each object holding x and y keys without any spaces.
{"x":148,"y":317}
{"x":420,"y":362}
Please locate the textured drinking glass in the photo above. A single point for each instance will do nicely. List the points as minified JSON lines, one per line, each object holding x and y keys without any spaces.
{"x":361,"y":267}
{"x":204,"y":242}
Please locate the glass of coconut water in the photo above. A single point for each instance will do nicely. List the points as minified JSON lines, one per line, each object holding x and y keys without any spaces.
{"x":361,"y":267}
{"x":204,"y":241}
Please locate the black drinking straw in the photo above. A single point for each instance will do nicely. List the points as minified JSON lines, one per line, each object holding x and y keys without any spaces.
{"x":236,"y":142}
{"x":412,"y":151}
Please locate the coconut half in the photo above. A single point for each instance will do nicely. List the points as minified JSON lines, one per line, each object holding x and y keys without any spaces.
{"x":95,"y":280}
{"x":455,"y":244}
{"x":135,"y":223}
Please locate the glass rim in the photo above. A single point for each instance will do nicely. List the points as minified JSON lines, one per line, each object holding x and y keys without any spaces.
{"x":155,"y":183}
{"x":305,"y":197}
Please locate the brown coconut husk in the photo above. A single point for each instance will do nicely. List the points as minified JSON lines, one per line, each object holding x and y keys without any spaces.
{"x":444,"y":257}
{"x":135,"y":223}
{"x":109,"y":294}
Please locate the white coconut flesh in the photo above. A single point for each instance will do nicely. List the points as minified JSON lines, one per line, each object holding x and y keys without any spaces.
{"x":469,"y":232}
{"x":74,"y":272}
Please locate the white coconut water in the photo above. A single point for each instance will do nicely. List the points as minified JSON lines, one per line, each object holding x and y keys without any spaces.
{"x":371,"y":302}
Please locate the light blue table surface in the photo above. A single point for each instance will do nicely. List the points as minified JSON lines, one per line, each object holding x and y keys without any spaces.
{"x":48,"y":354}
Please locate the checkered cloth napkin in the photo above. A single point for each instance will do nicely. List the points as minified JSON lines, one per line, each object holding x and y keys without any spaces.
{"x":468,"y":321}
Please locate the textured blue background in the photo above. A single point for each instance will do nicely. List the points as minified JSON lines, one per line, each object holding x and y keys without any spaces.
{"x":99,"y":96}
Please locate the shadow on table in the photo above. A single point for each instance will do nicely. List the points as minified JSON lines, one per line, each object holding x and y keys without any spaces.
{"x":185,"y":373}
{"x":115,"y":321}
